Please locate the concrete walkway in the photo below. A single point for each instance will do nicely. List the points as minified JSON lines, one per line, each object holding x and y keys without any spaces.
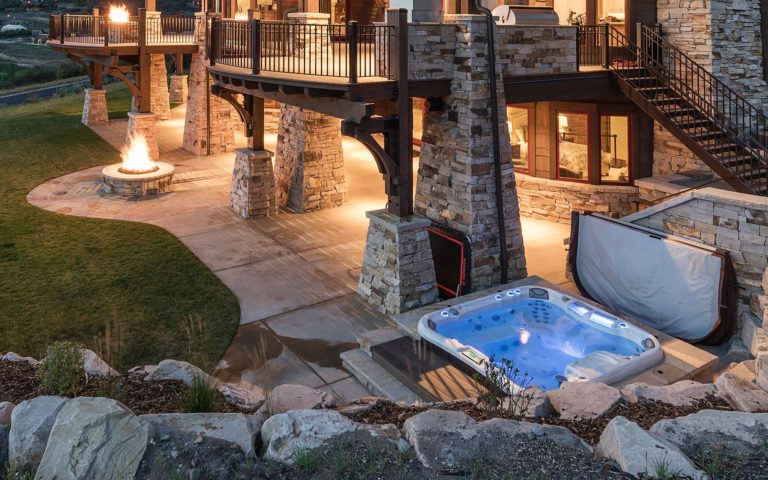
{"x":294,"y":275}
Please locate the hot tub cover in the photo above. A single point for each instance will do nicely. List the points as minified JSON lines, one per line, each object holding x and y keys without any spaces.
{"x":680,"y":287}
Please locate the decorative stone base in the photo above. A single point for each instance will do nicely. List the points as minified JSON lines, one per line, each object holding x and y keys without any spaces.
{"x":143,"y":124}
{"x":135,"y":186}
{"x":310,"y":161}
{"x":398,"y":273}
{"x":253,"y":184}
{"x":179,"y":90}
{"x":160,"y":103}
{"x":95,"y":107}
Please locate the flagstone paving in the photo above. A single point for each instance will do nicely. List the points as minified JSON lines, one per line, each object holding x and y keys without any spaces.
{"x":295,"y":275}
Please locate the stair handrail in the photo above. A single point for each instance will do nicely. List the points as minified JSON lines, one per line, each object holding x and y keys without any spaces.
{"x":730,"y":111}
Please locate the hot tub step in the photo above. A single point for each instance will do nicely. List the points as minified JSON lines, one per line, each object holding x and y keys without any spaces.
{"x":376,"y":378}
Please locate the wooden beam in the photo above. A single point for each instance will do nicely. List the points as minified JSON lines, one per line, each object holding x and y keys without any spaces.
{"x":145,"y":72}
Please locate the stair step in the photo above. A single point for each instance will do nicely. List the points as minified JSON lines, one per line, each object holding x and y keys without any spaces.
{"x":709,"y":135}
{"x":376,"y":378}
{"x":737,"y":161}
{"x":722,"y":147}
{"x":700,"y":122}
{"x":680,"y":112}
{"x":651,"y":90}
{"x":667,"y":101}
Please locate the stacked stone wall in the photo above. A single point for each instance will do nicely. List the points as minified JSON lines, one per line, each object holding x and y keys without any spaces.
{"x":309,"y":165}
{"x":554,"y":200}
{"x":253,"y":184}
{"x":179,"y":89}
{"x":737,"y":223}
{"x":431,"y":51}
{"x":95,"y":107}
{"x":671,"y":156}
{"x":160,"y":103}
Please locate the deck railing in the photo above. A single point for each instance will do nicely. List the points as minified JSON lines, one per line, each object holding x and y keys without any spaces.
{"x":100,"y":30}
{"x":349,"y":51}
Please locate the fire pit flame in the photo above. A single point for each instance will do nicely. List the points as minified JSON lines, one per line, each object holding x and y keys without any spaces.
{"x":135,"y":157}
{"x":118,"y":14}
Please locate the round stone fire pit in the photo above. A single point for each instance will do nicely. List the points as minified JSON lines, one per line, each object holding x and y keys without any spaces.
{"x":114,"y":181}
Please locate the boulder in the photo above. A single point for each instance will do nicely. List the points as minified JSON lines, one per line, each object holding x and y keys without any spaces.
{"x":583,"y":399}
{"x":742,"y":394}
{"x":16,"y":358}
{"x":247,"y":396}
{"x":639,"y":453}
{"x":447,"y":441}
{"x":31,"y":424}
{"x":177,"y":370}
{"x":746,"y":370}
{"x":4,"y":431}
{"x":297,"y":397}
{"x":679,"y":394}
{"x":737,"y":432}
{"x":233,"y":428}
{"x":94,"y":366}
{"x":286,"y":433}
{"x":762,"y":371}
{"x":94,"y":438}
{"x":143,"y":370}
{"x":6,"y":409}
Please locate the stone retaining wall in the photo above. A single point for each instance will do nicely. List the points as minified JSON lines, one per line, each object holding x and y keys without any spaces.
{"x":731,"y":221}
{"x":554,"y":200}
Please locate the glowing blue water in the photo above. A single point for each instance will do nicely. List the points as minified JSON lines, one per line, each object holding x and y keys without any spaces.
{"x":538,"y":336}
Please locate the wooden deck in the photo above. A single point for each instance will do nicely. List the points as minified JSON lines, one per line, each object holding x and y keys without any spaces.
{"x":433,"y":375}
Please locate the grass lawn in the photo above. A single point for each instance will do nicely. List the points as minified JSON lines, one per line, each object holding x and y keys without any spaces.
{"x":131,"y":292}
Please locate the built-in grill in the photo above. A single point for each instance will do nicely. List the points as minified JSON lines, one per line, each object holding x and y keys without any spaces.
{"x":523,"y":15}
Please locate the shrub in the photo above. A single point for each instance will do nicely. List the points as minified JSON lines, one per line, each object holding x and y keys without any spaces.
{"x":61,"y":370}
{"x":202,"y":396}
{"x":504,"y":389}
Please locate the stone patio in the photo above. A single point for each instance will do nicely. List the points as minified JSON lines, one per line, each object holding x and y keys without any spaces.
{"x":295,"y":275}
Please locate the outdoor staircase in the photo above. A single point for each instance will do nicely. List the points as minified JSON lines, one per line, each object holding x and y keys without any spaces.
{"x":718,"y":125}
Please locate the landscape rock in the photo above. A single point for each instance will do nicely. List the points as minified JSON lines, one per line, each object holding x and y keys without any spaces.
{"x":94,"y":438}
{"x":4,"y":431}
{"x":143,"y":370}
{"x":233,"y":428}
{"x":743,"y":395}
{"x":746,"y":370}
{"x":94,"y":366}
{"x":762,"y":371}
{"x":583,"y":399}
{"x":177,"y":370}
{"x":286,"y":433}
{"x":679,"y":394}
{"x":360,"y":405}
{"x":447,"y":440}
{"x":31,"y":424}
{"x":639,"y":453}
{"x":6,"y":409}
{"x":246,"y":396}
{"x":737,"y":432}
{"x":297,"y":397}
{"x":16,"y":358}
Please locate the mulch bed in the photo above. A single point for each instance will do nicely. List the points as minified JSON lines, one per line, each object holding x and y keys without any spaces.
{"x":644,"y":413}
{"x":18,"y":382}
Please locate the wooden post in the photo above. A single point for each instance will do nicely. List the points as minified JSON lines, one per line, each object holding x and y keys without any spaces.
{"x":352,"y":53}
{"x":255,"y":107}
{"x":150,"y":5}
{"x":63,"y":26}
{"x":97,"y":77}
{"x":145,"y":73}
{"x":405,"y":114}
{"x":606,"y":46}
{"x":256,"y":47}
{"x":179,"y":64}
{"x":106,"y":29}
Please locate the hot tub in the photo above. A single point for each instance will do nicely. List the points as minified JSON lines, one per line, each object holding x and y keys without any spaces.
{"x":546,"y":333}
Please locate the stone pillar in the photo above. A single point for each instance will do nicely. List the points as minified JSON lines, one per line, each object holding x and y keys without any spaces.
{"x":143,"y":124}
{"x":398,"y":273}
{"x":223,"y":117}
{"x":95,"y":107}
{"x":304,"y":42}
{"x":456,"y":183}
{"x":160,"y":103}
{"x":253,"y":184}
{"x":309,"y":166}
{"x":179,"y":90}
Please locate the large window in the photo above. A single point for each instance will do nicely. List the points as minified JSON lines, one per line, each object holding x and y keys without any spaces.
{"x":573,"y":146}
{"x":518,"y":120}
{"x":614,"y":148}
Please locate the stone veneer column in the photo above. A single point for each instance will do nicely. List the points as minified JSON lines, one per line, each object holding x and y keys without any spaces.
{"x":95,"y":107}
{"x":455,"y":184}
{"x":398,"y":273}
{"x":179,"y":90}
{"x":160,"y":103}
{"x":224,"y":119}
{"x":253,"y":184}
{"x":143,"y":124}
{"x":309,"y":166}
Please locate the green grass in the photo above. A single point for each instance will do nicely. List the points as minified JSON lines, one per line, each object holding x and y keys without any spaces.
{"x":123,"y":289}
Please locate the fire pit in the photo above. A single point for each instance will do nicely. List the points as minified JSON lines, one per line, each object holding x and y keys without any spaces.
{"x":138,"y":176}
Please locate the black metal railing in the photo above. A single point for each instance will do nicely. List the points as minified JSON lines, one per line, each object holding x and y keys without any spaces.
{"x":590,"y":42}
{"x":710,"y":111}
{"x":100,"y":30}
{"x":349,"y":51}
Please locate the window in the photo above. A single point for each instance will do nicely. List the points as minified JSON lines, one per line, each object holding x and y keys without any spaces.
{"x":573,"y":146}
{"x":614,"y":149}
{"x":518,"y":121}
